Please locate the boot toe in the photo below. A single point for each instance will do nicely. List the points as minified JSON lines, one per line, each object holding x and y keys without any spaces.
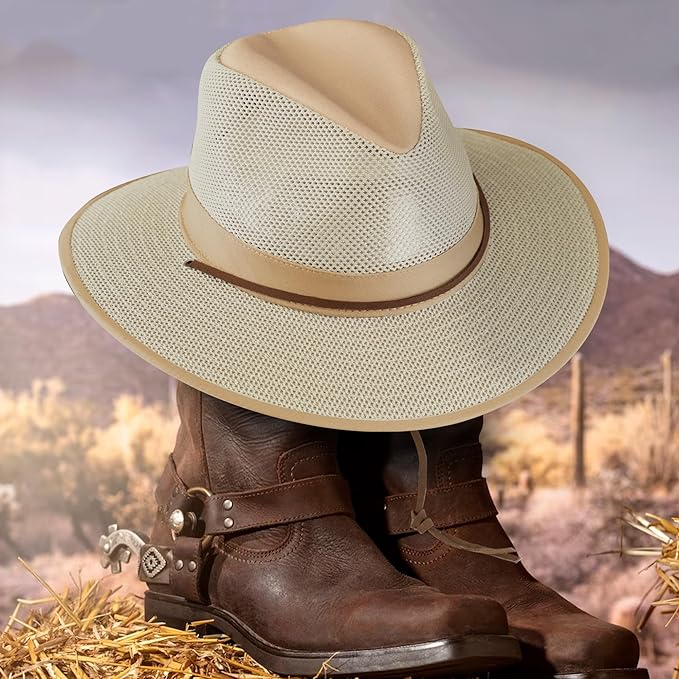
{"x":577,"y":643}
{"x":475,"y":614}
{"x":422,"y":614}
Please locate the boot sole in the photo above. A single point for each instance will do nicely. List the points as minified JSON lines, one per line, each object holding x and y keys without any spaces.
{"x":469,"y":654}
{"x":613,"y":673}
{"x":618,"y":673}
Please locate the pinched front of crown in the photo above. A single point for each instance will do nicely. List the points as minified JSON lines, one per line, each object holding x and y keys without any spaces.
{"x":293,"y":183}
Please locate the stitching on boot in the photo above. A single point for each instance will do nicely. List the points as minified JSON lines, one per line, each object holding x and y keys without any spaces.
{"x":438,"y":552}
{"x":421,"y":553}
{"x":277,"y":489}
{"x":434,"y":491}
{"x":285,"y":455}
{"x":306,"y":459}
{"x":446,"y":463}
{"x":427,"y":562}
{"x":290,"y":544}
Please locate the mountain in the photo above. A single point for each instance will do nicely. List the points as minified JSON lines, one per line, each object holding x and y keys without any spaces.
{"x":639,"y":320}
{"x":52,"y":336}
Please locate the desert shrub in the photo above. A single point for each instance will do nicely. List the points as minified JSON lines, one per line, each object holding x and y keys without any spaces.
{"x":39,"y":425}
{"x":131,"y":453}
{"x":525,"y":447}
{"x":63,"y":465}
{"x":635,"y":445}
{"x":44,"y":440}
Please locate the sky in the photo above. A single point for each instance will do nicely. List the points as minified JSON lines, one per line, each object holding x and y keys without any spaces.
{"x":96,"y":92}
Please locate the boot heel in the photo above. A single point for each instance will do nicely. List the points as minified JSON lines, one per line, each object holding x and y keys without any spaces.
{"x":176,"y":613}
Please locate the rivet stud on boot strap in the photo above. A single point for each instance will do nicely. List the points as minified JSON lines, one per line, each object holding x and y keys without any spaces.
{"x":228,"y":506}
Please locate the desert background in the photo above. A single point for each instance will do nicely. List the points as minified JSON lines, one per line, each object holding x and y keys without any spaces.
{"x":95,"y":93}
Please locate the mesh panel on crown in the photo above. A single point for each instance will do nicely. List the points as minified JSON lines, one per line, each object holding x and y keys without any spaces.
{"x":291,"y":182}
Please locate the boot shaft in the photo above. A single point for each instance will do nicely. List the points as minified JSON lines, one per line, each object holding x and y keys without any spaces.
{"x":226,"y":449}
{"x":379,"y":465}
{"x":454,"y":456}
{"x":416,"y":490}
{"x":223,"y":447}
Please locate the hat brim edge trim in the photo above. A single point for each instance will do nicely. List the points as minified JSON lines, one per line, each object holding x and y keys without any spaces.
{"x":550,"y":368}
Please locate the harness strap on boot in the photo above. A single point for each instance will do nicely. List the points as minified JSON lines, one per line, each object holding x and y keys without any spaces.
{"x":420,"y":522}
{"x":207,"y":513}
{"x":309,"y":498}
{"x":183,"y":563}
{"x":196,"y":515}
{"x":188,"y":568}
{"x":448,"y":507}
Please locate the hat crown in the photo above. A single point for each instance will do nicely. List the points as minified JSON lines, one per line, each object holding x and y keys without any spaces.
{"x":300,"y":185}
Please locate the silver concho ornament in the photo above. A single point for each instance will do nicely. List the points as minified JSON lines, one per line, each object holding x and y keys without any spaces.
{"x":152,"y":563}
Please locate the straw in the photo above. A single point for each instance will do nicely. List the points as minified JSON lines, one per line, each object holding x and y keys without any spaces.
{"x":89,"y":632}
{"x":664,"y":595}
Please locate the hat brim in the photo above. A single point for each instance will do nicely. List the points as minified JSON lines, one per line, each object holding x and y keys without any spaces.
{"x":524,"y":312}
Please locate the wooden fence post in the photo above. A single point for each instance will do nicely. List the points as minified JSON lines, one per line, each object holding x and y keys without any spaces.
{"x":666,"y":362}
{"x":578,"y":420}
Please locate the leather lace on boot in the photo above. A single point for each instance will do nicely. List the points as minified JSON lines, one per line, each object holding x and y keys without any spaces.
{"x":422,"y":523}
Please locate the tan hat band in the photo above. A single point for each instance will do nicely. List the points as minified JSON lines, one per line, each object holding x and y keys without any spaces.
{"x":236,"y":262}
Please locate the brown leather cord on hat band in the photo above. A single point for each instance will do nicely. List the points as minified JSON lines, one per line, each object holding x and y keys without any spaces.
{"x":462,"y":259}
{"x":420,"y":522}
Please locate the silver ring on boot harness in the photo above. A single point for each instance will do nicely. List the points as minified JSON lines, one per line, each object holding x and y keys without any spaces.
{"x":178,"y":518}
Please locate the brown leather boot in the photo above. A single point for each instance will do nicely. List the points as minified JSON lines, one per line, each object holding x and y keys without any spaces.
{"x":557,"y":639}
{"x":284,"y":569}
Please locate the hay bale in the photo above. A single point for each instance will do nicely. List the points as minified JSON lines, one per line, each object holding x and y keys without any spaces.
{"x":664,"y":595}
{"x":88,"y":632}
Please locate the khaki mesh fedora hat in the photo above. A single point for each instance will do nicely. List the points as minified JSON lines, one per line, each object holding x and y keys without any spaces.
{"x":336,"y":252}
